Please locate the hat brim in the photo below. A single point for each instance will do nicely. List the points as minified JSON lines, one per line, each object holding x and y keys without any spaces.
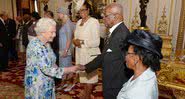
{"x":144,"y":43}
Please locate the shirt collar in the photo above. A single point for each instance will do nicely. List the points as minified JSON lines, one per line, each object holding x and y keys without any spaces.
{"x":27,"y":22}
{"x":2,"y":20}
{"x":113,"y":28}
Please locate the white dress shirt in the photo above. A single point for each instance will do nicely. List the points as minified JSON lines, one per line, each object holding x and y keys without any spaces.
{"x":2,"y":20}
{"x":113,"y":28}
{"x":143,"y":87}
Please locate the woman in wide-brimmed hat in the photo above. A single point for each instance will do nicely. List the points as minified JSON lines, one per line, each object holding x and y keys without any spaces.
{"x":143,"y":57}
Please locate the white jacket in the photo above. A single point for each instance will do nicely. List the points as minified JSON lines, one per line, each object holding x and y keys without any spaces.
{"x":143,"y":87}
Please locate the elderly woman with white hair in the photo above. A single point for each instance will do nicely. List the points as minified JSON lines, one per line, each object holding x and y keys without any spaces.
{"x":41,"y":68}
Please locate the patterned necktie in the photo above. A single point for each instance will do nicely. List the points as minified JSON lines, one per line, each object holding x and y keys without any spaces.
{"x":106,"y":40}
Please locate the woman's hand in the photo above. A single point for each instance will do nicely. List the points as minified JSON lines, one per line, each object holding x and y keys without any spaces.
{"x":77,"y":43}
{"x":74,"y":69}
{"x":55,"y":66}
{"x":64,"y":54}
{"x":71,"y":69}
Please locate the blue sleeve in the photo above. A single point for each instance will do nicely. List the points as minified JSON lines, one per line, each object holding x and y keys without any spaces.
{"x":46,"y":65}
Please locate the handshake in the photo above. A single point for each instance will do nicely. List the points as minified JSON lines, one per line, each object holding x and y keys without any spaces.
{"x":74,"y":69}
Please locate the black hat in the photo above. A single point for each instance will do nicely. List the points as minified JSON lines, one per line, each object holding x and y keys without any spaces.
{"x":35,"y":15}
{"x":151,"y":42}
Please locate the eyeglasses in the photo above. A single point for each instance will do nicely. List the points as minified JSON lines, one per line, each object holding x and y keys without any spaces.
{"x":52,"y":32}
{"x":130,"y":53}
{"x":82,"y":10}
{"x":105,"y":16}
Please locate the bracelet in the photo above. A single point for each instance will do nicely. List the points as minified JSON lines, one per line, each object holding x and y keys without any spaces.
{"x":67,"y":50}
{"x":81,"y":41}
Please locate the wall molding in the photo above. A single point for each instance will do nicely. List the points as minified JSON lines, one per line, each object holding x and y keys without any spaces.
{"x":180,"y":36}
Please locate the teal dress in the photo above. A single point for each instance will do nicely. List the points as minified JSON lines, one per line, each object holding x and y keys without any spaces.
{"x":40,"y":71}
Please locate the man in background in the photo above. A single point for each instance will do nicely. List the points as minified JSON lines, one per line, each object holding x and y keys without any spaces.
{"x":11,"y":28}
{"x":3,"y":42}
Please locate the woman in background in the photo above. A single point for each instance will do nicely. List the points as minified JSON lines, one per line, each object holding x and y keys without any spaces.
{"x":86,"y":41}
{"x":65,"y":43}
{"x":31,"y":32}
{"x":49,"y":14}
{"x":55,"y":43}
{"x":41,"y":68}
{"x":143,"y":57}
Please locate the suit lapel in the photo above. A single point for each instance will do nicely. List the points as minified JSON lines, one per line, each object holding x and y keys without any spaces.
{"x":116,"y":30}
{"x":112,"y":35}
{"x":2,"y":23}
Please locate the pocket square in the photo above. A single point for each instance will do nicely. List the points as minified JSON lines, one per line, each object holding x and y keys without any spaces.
{"x":109,"y":50}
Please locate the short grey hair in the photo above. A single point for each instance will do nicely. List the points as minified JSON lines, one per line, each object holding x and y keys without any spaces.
{"x":43,"y":24}
{"x":115,"y":8}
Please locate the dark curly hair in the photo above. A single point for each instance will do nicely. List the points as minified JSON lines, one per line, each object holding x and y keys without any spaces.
{"x":148,"y":58}
{"x":89,"y":7}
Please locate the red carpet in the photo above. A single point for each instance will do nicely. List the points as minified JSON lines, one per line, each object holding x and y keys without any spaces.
{"x":12,"y":80}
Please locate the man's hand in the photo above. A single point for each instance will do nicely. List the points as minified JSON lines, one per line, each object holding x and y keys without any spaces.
{"x":71,"y":69}
{"x":1,"y":45}
{"x":81,"y":67}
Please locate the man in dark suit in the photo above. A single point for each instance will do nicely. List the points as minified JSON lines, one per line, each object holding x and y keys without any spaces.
{"x":11,"y":28}
{"x":112,"y":58}
{"x":24,"y":31}
{"x":3,"y":42}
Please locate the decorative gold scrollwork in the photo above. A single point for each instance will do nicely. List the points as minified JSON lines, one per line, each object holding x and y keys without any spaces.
{"x":171,"y":79}
{"x":162,"y":29}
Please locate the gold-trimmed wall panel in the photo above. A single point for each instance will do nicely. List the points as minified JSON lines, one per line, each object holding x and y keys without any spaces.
{"x":180,"y":37}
